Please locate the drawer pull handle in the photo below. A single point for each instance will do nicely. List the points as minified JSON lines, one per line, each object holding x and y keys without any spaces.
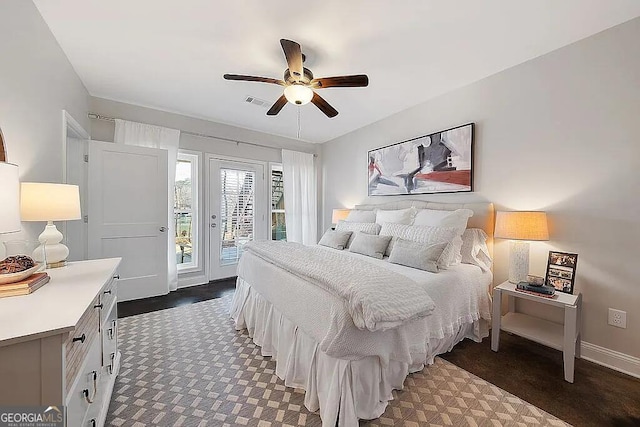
{"x":93,"y":422}
{"x":85,"y":392}
{"x":113,"y":355}
{"x":117,"y":277}
{"x":80,"y":338}
{"x":110,"y":333}
{"x":107,"y":292}
{"x":97,"y":306}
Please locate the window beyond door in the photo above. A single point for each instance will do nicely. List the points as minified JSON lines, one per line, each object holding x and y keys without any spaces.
{"x":278,"y":225}
{"x":185,"y":211}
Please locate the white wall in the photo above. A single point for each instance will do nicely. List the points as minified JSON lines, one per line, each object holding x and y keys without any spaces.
{"x":558,"y":133}
{"x":36,"y":83}
{"x":271,"y":152}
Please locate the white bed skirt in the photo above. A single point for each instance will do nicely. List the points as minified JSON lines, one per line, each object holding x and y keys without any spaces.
{"x":341,"y":390}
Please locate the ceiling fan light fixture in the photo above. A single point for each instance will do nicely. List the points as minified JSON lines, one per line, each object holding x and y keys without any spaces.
{"x":298,"y":94}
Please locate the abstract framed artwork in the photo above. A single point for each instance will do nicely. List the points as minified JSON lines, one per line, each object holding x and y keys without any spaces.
{"x":441,"y":162}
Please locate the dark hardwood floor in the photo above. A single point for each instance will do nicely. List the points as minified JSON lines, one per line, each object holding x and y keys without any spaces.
{"x":177,"y":298}
{"x":598,"y":397}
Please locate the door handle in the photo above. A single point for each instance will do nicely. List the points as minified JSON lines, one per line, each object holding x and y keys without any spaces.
{"x":163,"y":229}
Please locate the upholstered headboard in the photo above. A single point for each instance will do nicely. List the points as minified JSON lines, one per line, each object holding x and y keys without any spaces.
{"x":483,"y":213}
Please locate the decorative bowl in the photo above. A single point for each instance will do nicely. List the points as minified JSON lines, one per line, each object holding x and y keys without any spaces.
{"x":21,"y":275}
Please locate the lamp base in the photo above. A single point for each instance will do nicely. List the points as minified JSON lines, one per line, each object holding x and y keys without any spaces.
{"x":57,"y":264}
{"x":518,"y":261}
{"x":51,"y":251}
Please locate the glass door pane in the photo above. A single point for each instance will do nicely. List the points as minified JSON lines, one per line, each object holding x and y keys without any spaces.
{"x":237,"y":225}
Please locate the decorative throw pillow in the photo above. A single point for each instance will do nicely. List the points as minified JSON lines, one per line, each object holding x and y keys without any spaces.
{"x":365,"y":227}
{"x":426,"y":235}
{"x":370,"y":244}
{"x":418,"y":255}
{"x":361,"y":216}
{"x":398,"y":216}
{"x":335,"y":239}
{"x":474,"y":249}
{"x":440,"y":218}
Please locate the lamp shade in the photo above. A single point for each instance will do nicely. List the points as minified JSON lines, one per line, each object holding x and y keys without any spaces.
{"x":521,"y":226}
{"x":9,"y":198}
{"x":298,"y":94}
{"x":339,"y":215}
{"x":41,"y":201}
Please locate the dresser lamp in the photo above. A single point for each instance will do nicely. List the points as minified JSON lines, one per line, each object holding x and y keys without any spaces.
{"x":50,"y":202}
{"x":339,"y":215}
{"x":520,"y":228}
{"x":9,"y":198}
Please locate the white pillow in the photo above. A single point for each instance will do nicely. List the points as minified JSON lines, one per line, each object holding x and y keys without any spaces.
{"x":474,"y":249}
{"x":398,"y":216}
{"x":369,"y":244}
{"x":440,"y":218}
{"x":427,"y":235}
{"x":417,"y":255}
{"x":365,"y":227}
{"x":361,"y":216}
{"x":335,"y":239}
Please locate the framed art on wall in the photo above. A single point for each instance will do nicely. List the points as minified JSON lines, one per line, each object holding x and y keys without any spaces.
{"x":441,"y":162}
{"x":561,"y":271}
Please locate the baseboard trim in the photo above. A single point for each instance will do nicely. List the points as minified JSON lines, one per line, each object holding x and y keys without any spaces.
{"x":185,"y":282}
{"x":611,"y":359}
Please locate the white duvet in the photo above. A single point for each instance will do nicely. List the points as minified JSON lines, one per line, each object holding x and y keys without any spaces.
{"x":364,"y":287}
{"x":460,"y":295}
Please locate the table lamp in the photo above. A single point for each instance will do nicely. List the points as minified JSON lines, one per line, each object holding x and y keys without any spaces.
{"x":9,"y":198}
{"x":50,"y":202}
{"x":520,"y":227}
{"x":339,"y":215}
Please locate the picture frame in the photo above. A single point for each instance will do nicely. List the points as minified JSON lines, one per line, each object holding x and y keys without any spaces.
{"x":561,"y":271}
{"x":439,"y":162}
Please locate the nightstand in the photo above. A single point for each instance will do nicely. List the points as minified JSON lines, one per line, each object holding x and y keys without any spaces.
{"x":564,"y":337}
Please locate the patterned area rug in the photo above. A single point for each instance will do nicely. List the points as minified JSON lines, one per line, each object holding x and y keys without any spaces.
{"x":188,"y":366}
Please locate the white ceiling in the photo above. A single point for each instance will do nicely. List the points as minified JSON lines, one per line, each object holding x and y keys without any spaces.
{"x":171,"y":55}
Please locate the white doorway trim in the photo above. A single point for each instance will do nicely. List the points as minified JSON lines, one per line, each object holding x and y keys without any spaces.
{"x":70,"y":128}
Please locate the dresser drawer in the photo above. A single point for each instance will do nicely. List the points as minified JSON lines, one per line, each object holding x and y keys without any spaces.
{"x":86,"y":389}
{"x":80,"y":340}
{"x":110,"y":339}
{"x":107,"y":296}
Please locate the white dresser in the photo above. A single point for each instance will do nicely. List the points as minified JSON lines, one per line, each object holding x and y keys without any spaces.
{"x":59,"y":346}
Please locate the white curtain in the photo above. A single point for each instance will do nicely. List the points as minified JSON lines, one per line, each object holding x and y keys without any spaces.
{"x":143,"y":135}
{"x":300,"y":197}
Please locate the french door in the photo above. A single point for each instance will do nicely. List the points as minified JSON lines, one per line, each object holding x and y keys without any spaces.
{"x":238,"y":202}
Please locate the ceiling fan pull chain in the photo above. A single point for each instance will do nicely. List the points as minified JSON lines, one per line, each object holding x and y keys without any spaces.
{"x":298,"y":122}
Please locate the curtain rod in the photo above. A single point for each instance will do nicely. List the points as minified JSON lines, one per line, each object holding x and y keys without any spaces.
{"x":201,"y":135}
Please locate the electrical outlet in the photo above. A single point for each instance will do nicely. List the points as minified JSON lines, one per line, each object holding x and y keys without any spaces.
{"x":618,"y":318}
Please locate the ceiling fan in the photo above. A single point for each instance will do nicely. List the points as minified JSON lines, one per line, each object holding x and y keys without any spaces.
{"x":299,"y":83}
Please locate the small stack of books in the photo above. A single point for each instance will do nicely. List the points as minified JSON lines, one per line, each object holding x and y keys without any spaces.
{"x":24,"y":287}
{"x":541,"y":291}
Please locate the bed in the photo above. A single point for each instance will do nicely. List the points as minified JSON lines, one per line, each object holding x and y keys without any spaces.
{"x":348,"y":373}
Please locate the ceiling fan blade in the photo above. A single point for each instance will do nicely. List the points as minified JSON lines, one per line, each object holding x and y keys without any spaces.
{"x":359,"y":80}
{"x":277,"y":106}
{"x":293,"y":53}
{"x":324,"y":106}
{"x":253,"y":79}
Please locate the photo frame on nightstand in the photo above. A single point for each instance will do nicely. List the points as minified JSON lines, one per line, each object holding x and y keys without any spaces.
{"x":561,"y":271}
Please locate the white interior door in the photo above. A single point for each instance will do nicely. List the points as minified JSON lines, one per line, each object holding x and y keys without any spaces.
{"x":237,"y":212}
{"x":128,"y":199}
